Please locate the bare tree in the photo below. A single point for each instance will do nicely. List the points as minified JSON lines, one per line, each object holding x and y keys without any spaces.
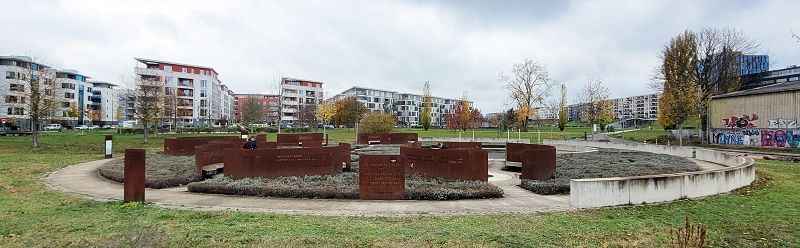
{"x":147,"y":94}
{"x":35,"y":94}
{"x":307,"y":114}
{"x":594,"y":104}
{"x":719,"y":71}
{"x":528,"y":84}
{"x":171,"y":103}
{"x":253,"y":111}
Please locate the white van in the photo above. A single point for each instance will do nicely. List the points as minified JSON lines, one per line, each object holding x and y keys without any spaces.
{"x":52,"y":127}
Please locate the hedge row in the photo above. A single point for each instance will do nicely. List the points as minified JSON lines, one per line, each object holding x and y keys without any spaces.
{"x":343,"y":186}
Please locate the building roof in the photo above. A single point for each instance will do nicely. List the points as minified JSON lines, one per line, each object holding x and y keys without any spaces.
{"x":298,"y":79}
{"x":153,"y":61}
{"x":95,"y":82}
{"x":71,"y":71}
{"x":23,"y":59}
{"x":772,"y":88}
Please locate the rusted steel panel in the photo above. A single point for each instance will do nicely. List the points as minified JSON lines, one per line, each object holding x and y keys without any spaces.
{"x":133,"y":182}
{"x":281,"y":162}
{"x":301,"y":140}
{"x":463,"y":164}
{"x":381,"y":177}
{"x":387,"y":138}
{"x":538,"y":161}
{"x":462,"y":145}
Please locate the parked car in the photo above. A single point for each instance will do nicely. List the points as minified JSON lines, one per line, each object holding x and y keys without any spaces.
{"x":105,"y":127}
{"x":52,"y":127}
{"x":93,"y":127}
{"x":82,"y":127}
{"x":114,"y":127}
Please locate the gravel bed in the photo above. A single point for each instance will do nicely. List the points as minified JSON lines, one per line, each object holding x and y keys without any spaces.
{"x":607,"y":163}
{"x":344,"y":186}
{"x":161,"y":171}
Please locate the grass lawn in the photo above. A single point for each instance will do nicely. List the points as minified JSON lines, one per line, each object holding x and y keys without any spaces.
{"x":33,"y":215}
{"x":349,"y":135}
{"x":653,"y":132}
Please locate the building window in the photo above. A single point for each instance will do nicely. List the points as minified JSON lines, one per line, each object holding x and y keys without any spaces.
{"x":203,"y":83}
{"x":202,"y":93}
{"x":17,"y":87}
{"x":168,"y":68}
{"x":10,"y":75}
{"x":183,"y":70}
{"x":69,"y":95}
{"x":168,"y":80}
{"x":65,"y":104}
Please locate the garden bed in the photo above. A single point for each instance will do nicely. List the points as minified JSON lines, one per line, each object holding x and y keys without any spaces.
{"x":606,"y":163}
{"x":161,"y":171}
{"x":344,"y":186}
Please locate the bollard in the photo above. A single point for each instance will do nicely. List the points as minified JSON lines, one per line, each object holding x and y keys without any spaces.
{"x":134,"y":175}
{"x":109,"y":145}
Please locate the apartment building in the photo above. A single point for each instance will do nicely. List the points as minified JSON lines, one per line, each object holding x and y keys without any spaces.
{"x":270,"y":103}
{"x":200,"y":96}
{"x":299,"y":99}
{"x":406,"y":106}
{"x":636,"y":107}
{"x":633,"y":107}
{"x":103,"y":106}
{"x":75,"y":104}
{"x":17,"y":74}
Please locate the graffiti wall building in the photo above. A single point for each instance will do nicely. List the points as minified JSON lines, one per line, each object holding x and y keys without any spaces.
{"x":764,"y":116}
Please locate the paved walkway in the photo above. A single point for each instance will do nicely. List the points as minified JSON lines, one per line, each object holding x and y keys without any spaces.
{"x":83,"y":179}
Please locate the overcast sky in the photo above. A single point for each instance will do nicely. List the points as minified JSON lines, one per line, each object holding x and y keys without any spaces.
{"x":397,"y":45}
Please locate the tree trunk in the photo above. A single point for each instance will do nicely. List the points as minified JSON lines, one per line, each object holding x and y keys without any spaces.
{"x":34,"y":132}
{"x":680,"y":135}
{"x":704,"y":127}
{"x":144,"y":129}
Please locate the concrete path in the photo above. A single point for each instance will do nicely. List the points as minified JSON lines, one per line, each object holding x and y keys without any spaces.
{"x":82,"y":179}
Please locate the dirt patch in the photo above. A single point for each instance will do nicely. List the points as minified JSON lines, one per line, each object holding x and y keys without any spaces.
{"x":606,"y":163}
{"x":161,"y":171}
{"x":344,"y":186}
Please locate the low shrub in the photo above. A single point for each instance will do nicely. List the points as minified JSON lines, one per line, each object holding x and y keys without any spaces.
{"x":161,"y":171}
{"x":343,"y":186}
{"x":377,"y":123}
{"x":546,"y":187}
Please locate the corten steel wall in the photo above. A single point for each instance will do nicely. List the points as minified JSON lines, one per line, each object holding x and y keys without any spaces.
{"x":464,"y":164}
{"x":133,"y":182}
{"x":602,"y":192}
{"x":514,"y":150}
{"x":213,"y":152}
{"x":308,"y":139}
{"x":272,"y":163}
{"x":680,"y":151}
{"x":184,"y":146}
{"x":482,"y":140}
{"x":538,"y":162}
{"x":388,"y":138}
{"x":381,"y":177}
{"x":261,"y":138}
{"x":345,"y":155}
{"x":463,"y":145}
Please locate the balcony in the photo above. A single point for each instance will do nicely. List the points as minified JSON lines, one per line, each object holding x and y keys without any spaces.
{"x":185,"y":84}
{"x":147,"y":71}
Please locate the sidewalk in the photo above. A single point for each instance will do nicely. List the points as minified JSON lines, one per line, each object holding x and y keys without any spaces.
{"x":82,"y":179}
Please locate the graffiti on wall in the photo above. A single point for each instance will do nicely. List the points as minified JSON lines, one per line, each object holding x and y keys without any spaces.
{"x":744,"y":121}
{"x":755,"y":137}
{"x":783,"y":123}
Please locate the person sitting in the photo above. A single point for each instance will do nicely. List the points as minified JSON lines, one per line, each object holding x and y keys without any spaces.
{"x":250,"y":144}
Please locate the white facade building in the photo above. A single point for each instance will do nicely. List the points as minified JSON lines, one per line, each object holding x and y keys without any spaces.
{"x":16,"y":74}
{"x":636,"y":107}
{"x":297,"y":94}
{"x":201,"y":96}
{"x":103,"y":103}
{"x":406,"y":107}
